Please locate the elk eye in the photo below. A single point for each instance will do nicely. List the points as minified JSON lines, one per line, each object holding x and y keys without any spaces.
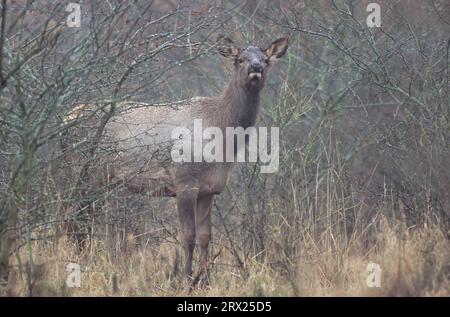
{"x":240,"y":60}
{"x":266,"y":61}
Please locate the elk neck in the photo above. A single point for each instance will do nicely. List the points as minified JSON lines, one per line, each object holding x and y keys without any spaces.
{"x":240,"y":105}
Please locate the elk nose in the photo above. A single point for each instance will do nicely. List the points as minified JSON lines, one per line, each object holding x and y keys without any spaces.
{"x":255,"y":68}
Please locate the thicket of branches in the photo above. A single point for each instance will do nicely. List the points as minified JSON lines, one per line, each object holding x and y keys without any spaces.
{"x":363,"y":112}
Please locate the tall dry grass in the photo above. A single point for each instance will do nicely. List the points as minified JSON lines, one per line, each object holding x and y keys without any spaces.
{"x":414,"y":262}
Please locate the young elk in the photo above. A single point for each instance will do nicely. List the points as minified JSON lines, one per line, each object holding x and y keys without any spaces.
{"x":141,"y":137}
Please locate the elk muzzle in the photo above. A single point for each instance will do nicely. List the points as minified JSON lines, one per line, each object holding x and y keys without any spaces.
{"x":255,"y":71}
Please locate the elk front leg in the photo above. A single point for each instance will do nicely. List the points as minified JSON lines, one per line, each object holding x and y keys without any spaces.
{"x":187,"y":204}
{"x":203,"y":218}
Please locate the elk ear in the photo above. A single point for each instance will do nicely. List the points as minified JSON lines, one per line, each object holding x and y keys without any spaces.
{"x":227,"y":47}
{"x":277,"y":49}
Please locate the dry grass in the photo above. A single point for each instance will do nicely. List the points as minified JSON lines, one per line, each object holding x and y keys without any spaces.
{"x":414,"y":262}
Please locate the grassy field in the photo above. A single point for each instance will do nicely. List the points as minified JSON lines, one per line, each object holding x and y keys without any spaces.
{"x":414,"y":262}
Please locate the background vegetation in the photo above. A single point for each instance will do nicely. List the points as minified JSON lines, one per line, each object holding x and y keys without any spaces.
{"x":364,"y":119}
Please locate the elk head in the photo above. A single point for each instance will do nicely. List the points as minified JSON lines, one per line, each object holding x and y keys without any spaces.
{"x":251,"y":64}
